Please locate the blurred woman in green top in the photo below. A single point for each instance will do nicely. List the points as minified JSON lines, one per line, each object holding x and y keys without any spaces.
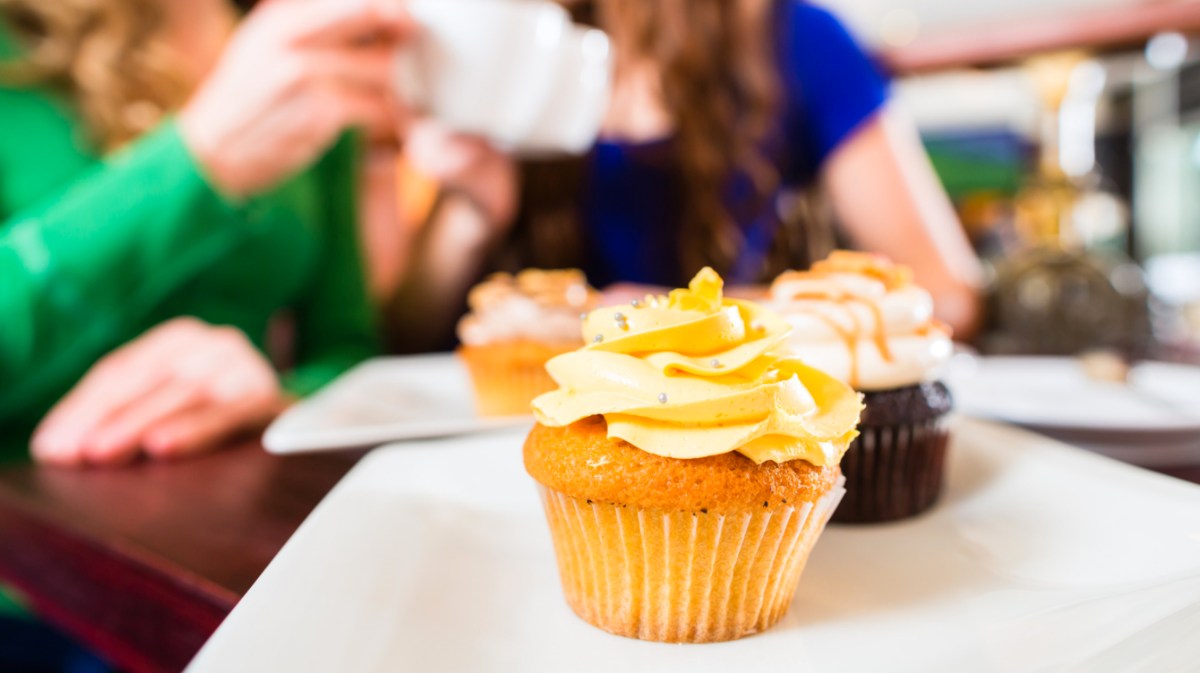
{"x":170,"y":181}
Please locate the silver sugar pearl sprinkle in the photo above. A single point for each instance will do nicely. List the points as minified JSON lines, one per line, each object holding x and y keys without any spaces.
{"x":598,"y":338}
{"x":715,"y":363}
{"x":662,"y":398}
{"x":619,"y":317}
{"x":636,"y":303}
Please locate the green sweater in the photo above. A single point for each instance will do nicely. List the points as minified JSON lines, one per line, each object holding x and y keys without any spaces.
{"x":95,"y":250}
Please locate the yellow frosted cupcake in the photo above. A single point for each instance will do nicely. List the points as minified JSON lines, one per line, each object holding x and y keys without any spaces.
{"x":515,"y":325}
{"x":686,"y":466}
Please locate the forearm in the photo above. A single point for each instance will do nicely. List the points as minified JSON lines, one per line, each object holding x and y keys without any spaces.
{"x":479,"y":187}
{"x":890,"y":201}
{"x":94,"y":258}
{"x":447,"y":260}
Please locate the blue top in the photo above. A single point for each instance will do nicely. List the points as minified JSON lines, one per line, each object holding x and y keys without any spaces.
{"x":630,"y":204}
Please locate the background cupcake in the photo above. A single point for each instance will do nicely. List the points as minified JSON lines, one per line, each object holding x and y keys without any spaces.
{"x":860,"y":318}
{"x":687,"y":467}
{"x":515,"y":324}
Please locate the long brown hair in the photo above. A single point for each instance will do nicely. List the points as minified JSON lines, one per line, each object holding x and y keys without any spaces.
{"x":105,"y":55}
{"x":720,"y":87}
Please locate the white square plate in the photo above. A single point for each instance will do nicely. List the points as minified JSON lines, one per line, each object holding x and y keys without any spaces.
{"x":1055,"y":394}
{"x":1153,"y":419}
{"x":385,"y":400}
{"x":1039,"y":557}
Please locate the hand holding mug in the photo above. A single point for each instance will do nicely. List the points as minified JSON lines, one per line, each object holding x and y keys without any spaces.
{"x":466,"y":165}
{"x":294,"y":76}
{"x":518,"y":73}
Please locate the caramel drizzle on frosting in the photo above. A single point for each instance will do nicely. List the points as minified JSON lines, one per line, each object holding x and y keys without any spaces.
{"x":565,"y":288}
{"x":850,"y":337}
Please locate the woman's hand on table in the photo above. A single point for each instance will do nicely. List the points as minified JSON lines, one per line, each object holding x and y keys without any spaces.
{"x":294,"y":76}
{"x":182,"y":388}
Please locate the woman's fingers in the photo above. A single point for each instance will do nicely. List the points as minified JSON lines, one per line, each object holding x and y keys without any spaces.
{"x":116,"y":381}
{"x":178,"y":389}
{"x":344,"y":107}
{"x":261,"y":116}
{"x":61,"y":436}
{"x":468,"y":166}
{"x":197,"y":430}
{"x":346,"y":21}
{"x":442,"y":153}
{"x":368,"y":68}
{"x":119,"y":438}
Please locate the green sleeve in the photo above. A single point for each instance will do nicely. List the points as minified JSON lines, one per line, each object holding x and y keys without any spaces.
{"x":11,"y":606}
{"x":78,"y":269}
{"x":335,"y":321}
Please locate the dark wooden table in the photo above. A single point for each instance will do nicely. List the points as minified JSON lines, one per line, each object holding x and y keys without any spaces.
{"x":142,"y":563}
{"x":1185,"y":472}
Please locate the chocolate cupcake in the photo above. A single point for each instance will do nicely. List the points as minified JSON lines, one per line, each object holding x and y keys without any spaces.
{"x":860,"y":318}
{"x":896,"y":465}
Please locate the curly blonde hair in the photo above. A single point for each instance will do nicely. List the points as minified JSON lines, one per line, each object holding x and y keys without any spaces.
{"x":106,"y":55}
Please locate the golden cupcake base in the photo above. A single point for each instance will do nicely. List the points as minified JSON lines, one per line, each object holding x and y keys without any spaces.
{"x":507,"y":376}
{"x":682,"y":576}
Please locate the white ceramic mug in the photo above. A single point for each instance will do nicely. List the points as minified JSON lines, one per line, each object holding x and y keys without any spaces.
{"x":515,"y":71}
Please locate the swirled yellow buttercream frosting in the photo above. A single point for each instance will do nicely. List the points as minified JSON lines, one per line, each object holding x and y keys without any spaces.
{"x":695,"y":374}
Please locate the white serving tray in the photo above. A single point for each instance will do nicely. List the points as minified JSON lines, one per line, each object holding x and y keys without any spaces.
{"x":434,"y":556}
{"x":385,"y":400}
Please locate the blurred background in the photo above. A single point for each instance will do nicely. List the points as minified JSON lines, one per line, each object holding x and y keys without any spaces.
{"x":1067,"y":132}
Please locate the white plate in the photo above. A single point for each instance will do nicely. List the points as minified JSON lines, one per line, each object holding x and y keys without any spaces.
{"x":1161,"y":402}
{"x":1040,"y":557}
{"x":385,"y":400}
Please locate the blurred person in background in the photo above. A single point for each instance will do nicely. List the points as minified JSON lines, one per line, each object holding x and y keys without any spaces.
{"x":170,"y":181}
{"x":718,"y":106}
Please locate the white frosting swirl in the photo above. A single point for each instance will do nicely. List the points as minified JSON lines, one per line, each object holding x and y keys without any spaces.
{"x":858,"y":318}
{"x":534,"y":305}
